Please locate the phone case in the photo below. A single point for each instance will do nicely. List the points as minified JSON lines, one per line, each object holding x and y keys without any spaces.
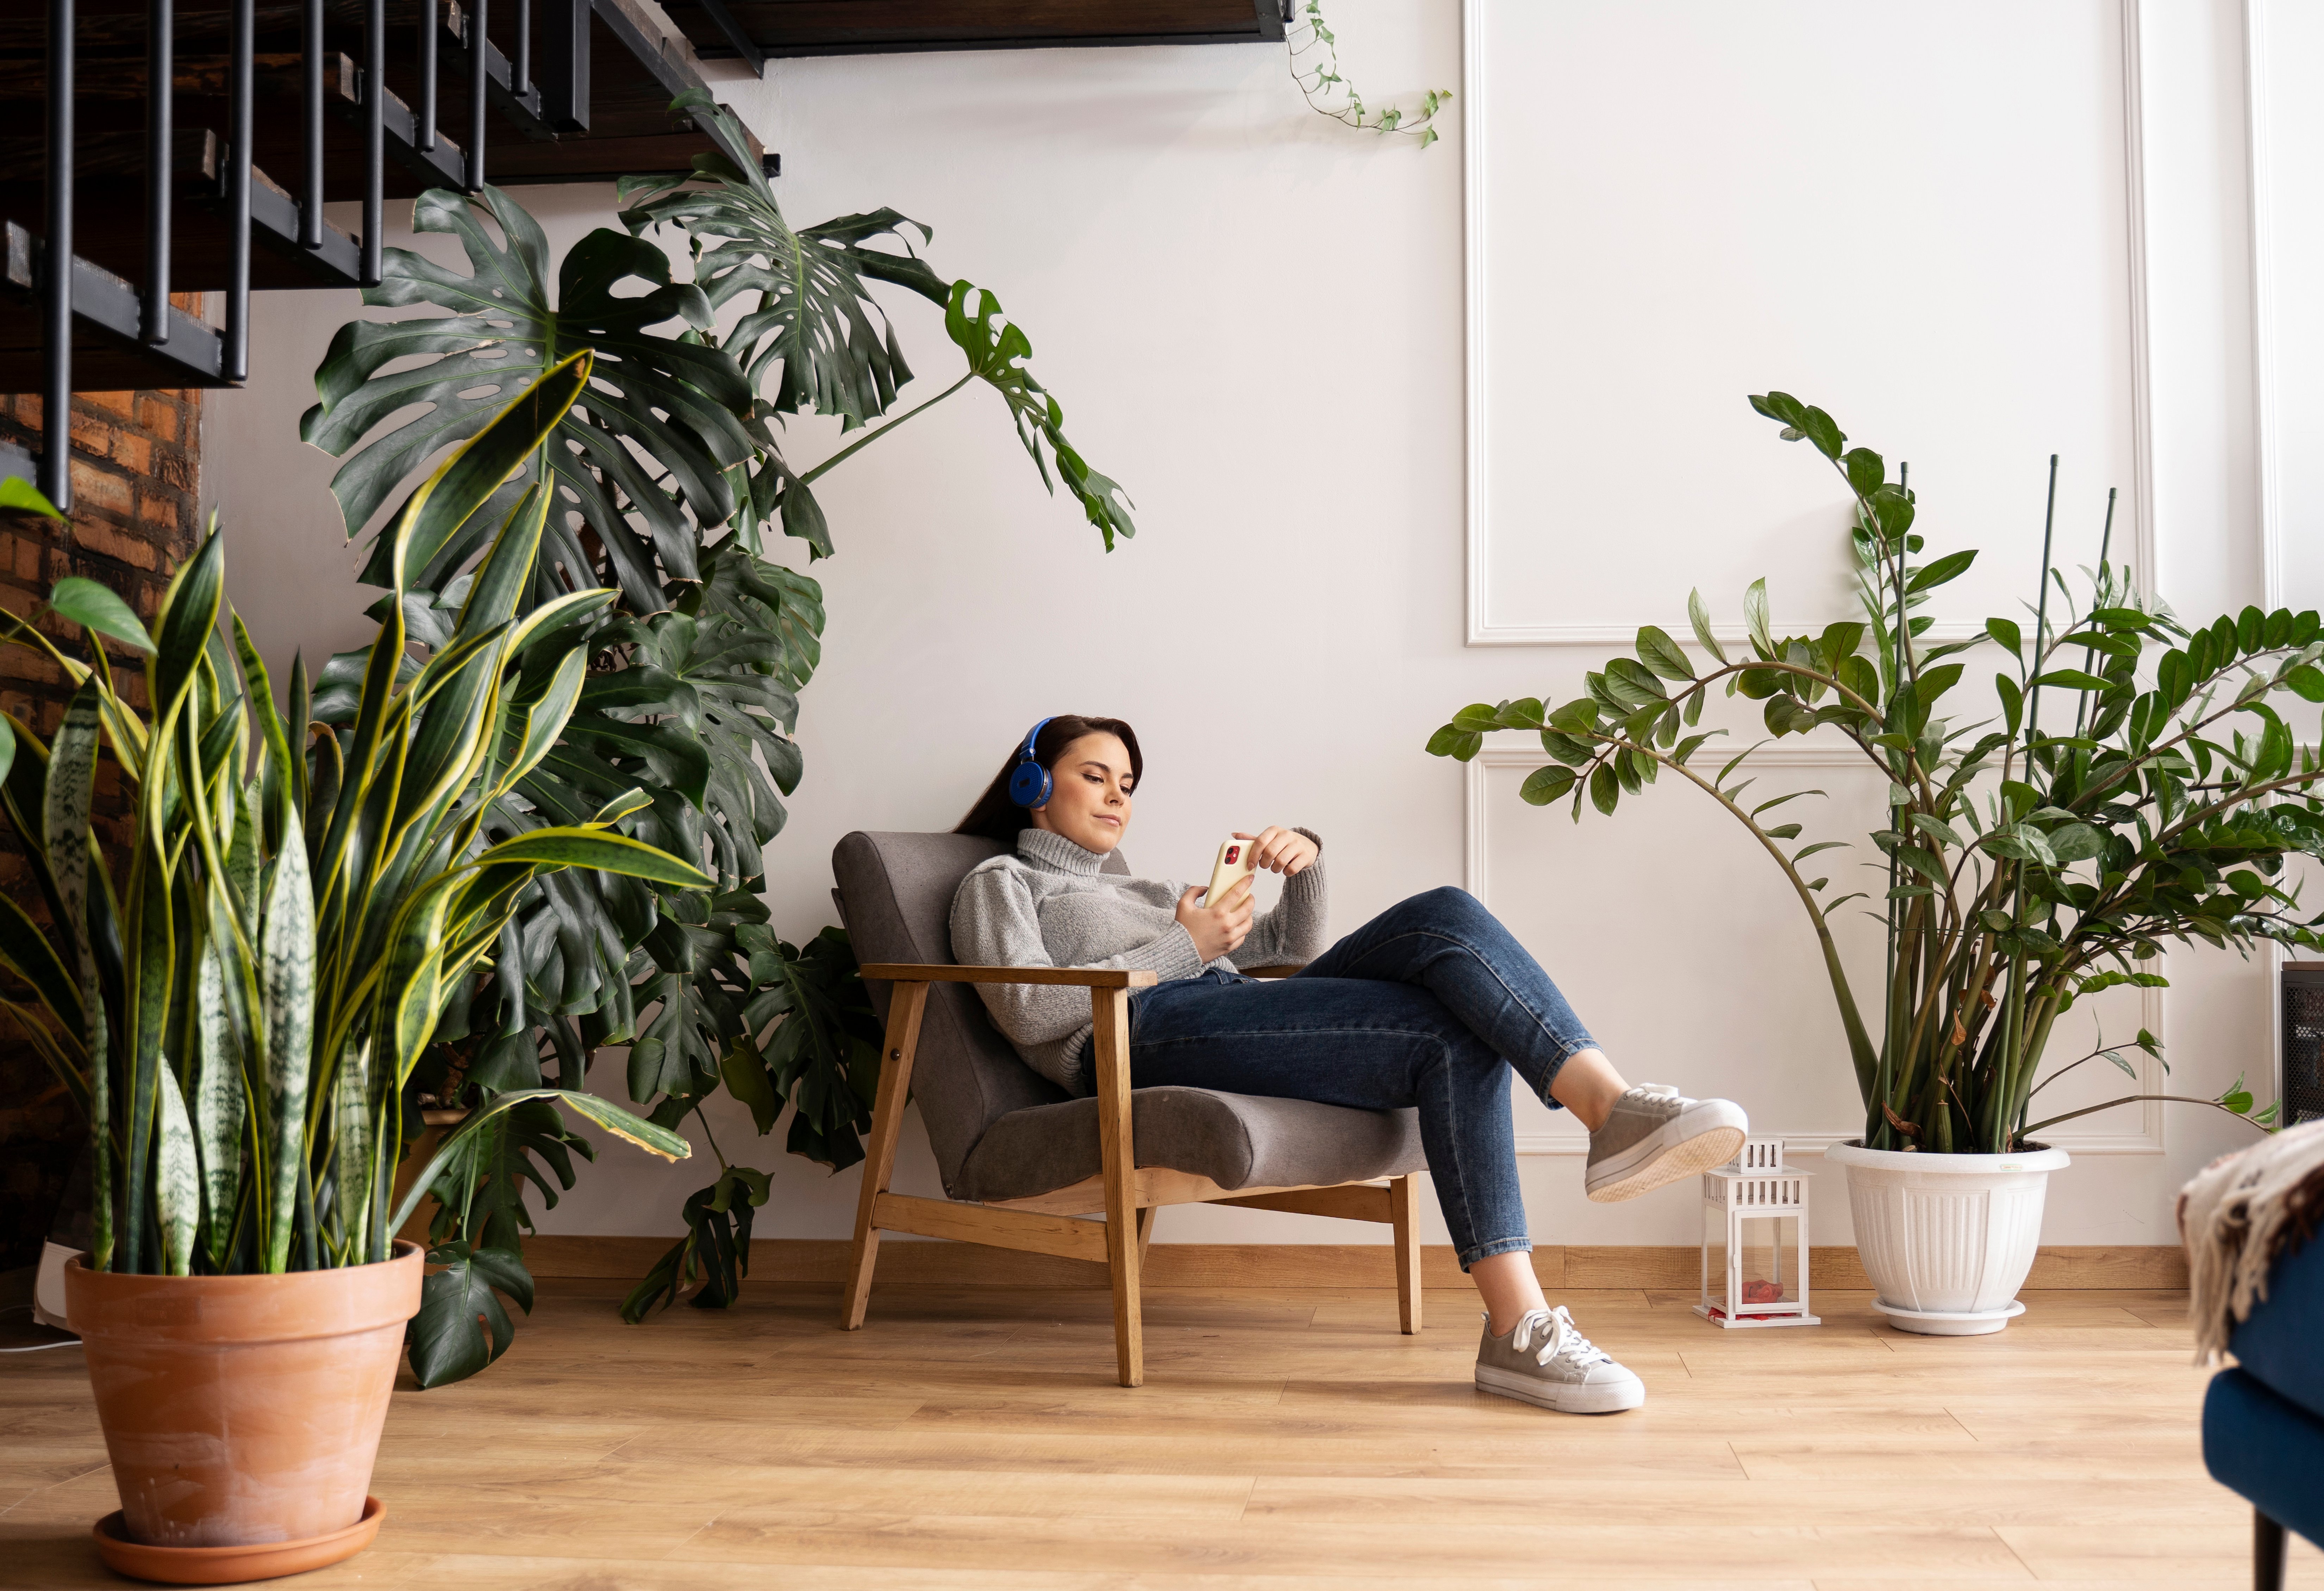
{"x":1233,"y":863}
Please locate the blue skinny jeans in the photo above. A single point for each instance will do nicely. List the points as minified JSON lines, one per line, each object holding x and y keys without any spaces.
{"x":1430,"y":1005}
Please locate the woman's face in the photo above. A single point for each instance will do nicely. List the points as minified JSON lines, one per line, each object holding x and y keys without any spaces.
{"x":1089,"y":794}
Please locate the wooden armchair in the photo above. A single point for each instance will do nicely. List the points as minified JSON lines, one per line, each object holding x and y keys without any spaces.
{"x":1023,"y":1162}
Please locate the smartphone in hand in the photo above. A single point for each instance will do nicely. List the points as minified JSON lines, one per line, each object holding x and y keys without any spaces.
{"x":1233,"y":866}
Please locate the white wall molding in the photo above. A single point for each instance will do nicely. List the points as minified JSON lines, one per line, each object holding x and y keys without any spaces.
{"x":2144,"y":567}
{"x":2260,"y":207}
{"x":1625,"y":635}
{"x":1477,"y":530}
{"x":1578,"y":1141}
{"x":1473,"y":313}
{"x":2266,"y":244}
{"x":1803,"y":754}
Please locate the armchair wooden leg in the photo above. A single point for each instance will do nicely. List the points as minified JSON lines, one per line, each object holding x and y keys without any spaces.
{"x":1146,"y":1232}
{"x":1402,"y":1202}
{"x":2267,"y":1553}
{"x":1117,"y":1160}
{"x":905,"y":1006}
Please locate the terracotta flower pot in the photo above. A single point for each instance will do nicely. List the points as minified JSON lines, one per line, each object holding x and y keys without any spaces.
{"x":242,"y":1409}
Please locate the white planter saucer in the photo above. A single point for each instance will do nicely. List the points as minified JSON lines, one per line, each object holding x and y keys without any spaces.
{"x":1951,"y":1322}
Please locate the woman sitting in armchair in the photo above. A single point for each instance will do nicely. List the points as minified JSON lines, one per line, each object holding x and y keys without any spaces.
{"x":1431,"y":1005}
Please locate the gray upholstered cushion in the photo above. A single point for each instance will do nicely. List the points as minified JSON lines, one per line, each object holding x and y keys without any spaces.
{"x":1236,"y":1140}
{"x":999,"y":1130}
{"x":899,"y":890}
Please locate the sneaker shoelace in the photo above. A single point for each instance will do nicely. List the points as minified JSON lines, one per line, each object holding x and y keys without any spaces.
{"x":1561,"y":1339}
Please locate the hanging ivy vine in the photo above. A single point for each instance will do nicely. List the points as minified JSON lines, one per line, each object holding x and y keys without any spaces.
{"x":1329,"y":93}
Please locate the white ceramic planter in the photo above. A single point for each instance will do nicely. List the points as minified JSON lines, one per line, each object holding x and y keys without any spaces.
{"x":1947,"y":1238}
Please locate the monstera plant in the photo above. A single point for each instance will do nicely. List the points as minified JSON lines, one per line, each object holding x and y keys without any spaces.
{"x":2133,"y":784}
{"x":667,"y":477}
{"x":239,"y":1009}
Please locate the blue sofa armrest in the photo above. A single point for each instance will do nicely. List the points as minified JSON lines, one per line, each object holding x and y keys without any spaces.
{"x":2266,"y":1448}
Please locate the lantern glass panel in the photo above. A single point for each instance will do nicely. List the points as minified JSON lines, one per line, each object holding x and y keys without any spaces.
{"x":1769,"y":1264}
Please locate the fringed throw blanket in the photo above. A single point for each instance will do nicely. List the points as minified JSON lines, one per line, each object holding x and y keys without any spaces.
{"x":2237,"y":1217}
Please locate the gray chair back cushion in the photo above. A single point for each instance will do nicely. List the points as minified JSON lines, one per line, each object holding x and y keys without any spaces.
{"x":897,"y":890}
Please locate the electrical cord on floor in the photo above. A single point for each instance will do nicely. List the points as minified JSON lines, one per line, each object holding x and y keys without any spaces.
{"x":67,"y":1342}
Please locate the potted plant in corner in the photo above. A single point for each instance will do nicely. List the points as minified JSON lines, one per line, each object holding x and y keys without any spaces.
{"x":2132,"y":785}
{"x":238,"y":1012}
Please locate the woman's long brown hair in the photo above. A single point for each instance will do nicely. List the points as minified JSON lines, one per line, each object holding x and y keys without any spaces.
{"x":997,"y":818}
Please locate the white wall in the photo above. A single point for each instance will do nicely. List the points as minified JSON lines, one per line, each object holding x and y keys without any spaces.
{"x":1255,"y":321}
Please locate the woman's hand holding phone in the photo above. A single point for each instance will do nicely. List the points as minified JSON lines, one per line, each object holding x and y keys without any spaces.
{"x":1281,"y":850}
{"x":1220,"y":927}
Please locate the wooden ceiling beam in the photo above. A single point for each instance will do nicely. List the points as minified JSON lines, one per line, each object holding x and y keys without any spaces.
{"x":777,"y":29}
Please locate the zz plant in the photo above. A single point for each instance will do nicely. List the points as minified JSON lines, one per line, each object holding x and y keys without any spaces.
{"x":238,"y":1011}
{"x":2136,"y":784}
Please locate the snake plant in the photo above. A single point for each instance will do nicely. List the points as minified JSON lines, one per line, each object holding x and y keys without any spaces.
{"x":2132,"y":783}
{"x":236,"y":992}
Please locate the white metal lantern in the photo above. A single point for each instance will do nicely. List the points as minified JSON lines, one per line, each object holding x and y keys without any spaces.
{"x":1754,"y":1208}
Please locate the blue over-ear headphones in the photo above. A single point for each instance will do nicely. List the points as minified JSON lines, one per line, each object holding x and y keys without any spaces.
{"x":1028,"y":782}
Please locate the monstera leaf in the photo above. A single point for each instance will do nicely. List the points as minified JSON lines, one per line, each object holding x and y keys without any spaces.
{"x":714,"y":1254}
{"x":679,"y":401}
{"x":994,"y":346}
{"x":476,"y":1235}
{"x":698,"y":714}
{"x":817,"y":332}
{"x":823,"y":343}
{"x":820,"y":1053}
{"x":823,"y":1057}
{"x":707,"y":681}
{"x":480,"y":1186}
{"x":461,"y":1326}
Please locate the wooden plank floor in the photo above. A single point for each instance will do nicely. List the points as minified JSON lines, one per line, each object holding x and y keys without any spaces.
{"x":972,"y":1438}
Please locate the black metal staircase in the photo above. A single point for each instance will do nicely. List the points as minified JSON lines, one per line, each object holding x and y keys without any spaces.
{"x":149,"y":147}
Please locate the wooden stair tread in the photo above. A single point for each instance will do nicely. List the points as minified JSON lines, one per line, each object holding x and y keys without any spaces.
{"x":109,"y":217}
{"x":108,"y":354}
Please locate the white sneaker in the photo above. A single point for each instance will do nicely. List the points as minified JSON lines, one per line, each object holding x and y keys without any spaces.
{"x":1654,"y":1136}
{"x":1545,"y":1360}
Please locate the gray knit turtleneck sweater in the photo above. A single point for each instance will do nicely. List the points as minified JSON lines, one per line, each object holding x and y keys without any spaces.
{"x":1048,"y":905}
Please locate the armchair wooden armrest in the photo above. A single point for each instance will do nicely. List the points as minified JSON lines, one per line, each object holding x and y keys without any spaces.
{"x":1087,"y":977}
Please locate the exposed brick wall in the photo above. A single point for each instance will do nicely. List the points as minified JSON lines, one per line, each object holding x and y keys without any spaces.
{"x":136,"y":462}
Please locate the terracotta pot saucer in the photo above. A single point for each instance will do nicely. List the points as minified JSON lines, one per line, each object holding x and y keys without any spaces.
{"x":227,"y":1566}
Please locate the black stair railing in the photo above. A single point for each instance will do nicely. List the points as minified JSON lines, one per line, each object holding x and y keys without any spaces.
{"x":70,"y":289}
{"x":161,"y":148}
{"x":479,"y":82}
{"x":56,"y":283}
{"x":310,"y":122}
{"x":241,"y":64}
{"x":374,"y":109}
{"x":521,"y":69}
{"x":425,"y":111}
